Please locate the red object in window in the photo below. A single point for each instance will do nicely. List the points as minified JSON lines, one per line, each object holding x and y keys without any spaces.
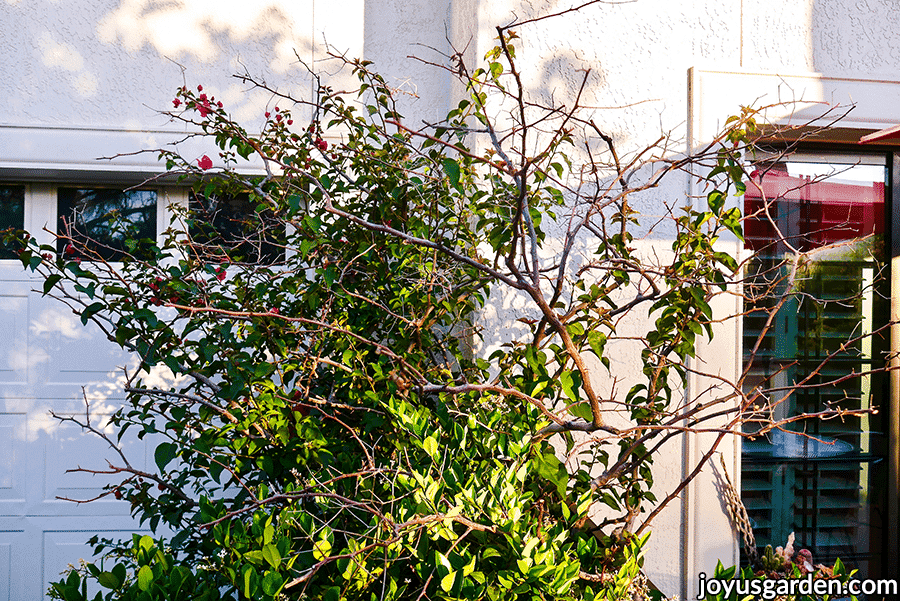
{"x":889,"y":133}
{"x":809,"y":214}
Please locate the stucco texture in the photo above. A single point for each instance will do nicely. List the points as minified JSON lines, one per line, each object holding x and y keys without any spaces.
{"x":116,"y":64}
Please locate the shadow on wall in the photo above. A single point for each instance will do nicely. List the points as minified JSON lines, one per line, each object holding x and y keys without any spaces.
{"x":77,"y":64}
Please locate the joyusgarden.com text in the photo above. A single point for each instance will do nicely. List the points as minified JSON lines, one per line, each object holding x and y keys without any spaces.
{"x":770,"y":588}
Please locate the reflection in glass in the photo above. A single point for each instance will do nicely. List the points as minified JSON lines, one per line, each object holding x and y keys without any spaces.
{"x":110,"y":223}
{"x":230,"y":228}
{"x":826,"y":487}
{"x":12,"y":214}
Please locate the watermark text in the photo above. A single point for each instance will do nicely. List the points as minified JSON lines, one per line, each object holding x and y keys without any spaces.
{"x":769,"y":588}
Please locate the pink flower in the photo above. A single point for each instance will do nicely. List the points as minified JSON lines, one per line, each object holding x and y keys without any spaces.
{"x":268,"y":114}
{"x":205,"y":163}
{"x":290,"y":121}
{"x":199,"y":88}
{"x":176,"y":102}
{"x":321,"y":144}
{"x":203,"y":106}
{"x":274,"y":310}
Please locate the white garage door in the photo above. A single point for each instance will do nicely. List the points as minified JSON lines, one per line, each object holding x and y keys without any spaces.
{"x":50,"y":361}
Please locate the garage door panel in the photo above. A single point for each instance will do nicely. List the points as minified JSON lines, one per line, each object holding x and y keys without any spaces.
{"x":71,"y":448}
{"x":20,"y":560}
{"x":5,"y":566}
{"x":64,"y":352}
{"x":14,"y":333}
{"x":61,"y":547}
{"x":12,"y":465}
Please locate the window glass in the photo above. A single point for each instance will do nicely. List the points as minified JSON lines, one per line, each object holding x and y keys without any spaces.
{"x":12,"y":213}
{"x":108,"y":222}
{"x":822,"y":480}
{"x":231,"y":228}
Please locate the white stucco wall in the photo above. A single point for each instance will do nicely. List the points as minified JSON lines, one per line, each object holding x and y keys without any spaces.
{"x":85,"y":79}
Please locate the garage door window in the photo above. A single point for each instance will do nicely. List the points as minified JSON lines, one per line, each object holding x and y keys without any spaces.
{"x":108,"y":222}
{"x":12,"y":213}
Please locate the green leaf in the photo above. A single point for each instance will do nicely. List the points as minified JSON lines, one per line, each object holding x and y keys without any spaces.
{"x":145,"y":578}
{"x":430,"y":445}
{"x":271,"y":583}
{"x":321,"y":549}
{"x":90,"y":311}
{"x":716,"y":200}
{"x":443,"y":564}
{"x":569,"y":386}
{"x":164,"y":453}
{"x":575,"y":328}
{"x":597,"y":342}
{"x":271,"y":554}
{"x":582,"y":410}
{"x":451,"y":168}
{"x":447,"y":581}
{"x":263,"y":370}
{"x":50,"y":282}
{"x":250,"y":581}
{"x":120,"y":572}
{"x":550,"y":467}
{"x":109,"y":580}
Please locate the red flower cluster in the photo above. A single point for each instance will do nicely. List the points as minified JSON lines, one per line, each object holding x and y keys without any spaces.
{"x":203,"y":105}
{"x":321,"y":144}
{"x":205,"y":163}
